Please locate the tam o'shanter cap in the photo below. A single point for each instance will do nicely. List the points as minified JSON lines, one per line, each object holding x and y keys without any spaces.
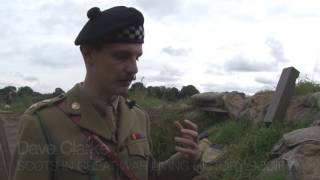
{"x":119,"y":24}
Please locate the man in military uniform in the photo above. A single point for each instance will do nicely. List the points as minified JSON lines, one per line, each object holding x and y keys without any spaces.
{"x":93,"y":131}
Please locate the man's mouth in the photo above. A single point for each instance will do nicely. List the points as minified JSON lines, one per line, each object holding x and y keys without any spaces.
{"x":126,"y":82}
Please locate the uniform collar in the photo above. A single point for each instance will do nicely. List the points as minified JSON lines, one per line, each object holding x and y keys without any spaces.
{"x":77,"y":103}
{"x":101,"y":105}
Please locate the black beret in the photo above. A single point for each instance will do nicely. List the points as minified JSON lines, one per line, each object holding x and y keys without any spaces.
{"x":117,"y":24}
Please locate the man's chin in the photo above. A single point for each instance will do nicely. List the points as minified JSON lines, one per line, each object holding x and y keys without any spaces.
{"x":123,"y":91}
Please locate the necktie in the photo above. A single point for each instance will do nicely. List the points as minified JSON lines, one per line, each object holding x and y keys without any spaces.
{"x":110,"y":119}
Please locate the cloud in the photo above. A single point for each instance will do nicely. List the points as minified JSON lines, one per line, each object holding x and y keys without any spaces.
{"x":160,"y":9}
{"x":17,"y":79}
{"x":264,"y":80}
{"x":276,"y":50}
{"x":240,"y":63}
{"x":167,"y":74}
{"x":175,"y":51}
{"x":55,"y":55}
{"x":214,"y":69}
{"x":280,"y":9}
{"x":230,"y":86}
{"x":30,"y":79}
{"x":244,"y":18}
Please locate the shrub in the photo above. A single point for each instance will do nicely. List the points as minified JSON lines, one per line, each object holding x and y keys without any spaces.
{"x":188,"y":91}
{"x":306,"y":86}
{"x":171,"y":94}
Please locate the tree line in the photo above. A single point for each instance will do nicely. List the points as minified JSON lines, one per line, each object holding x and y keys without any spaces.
{"x":9,"y":94}
{"x":162,"y":92}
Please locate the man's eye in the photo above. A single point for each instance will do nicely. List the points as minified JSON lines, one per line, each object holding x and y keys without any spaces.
{"x":121,"y":56}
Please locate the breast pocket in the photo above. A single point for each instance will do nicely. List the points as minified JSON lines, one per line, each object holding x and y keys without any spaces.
{"x":139,"y":148}
{"x":72,"y":167}
{"x":137,"y":158}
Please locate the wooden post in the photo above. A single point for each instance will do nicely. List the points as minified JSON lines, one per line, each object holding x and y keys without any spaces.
{"x":281,"y":98}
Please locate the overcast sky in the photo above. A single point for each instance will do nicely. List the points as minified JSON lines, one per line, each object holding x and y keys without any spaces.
{"x":216,"y":45}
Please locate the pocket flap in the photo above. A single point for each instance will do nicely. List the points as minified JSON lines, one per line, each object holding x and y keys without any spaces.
{"x":139,"y":148}
{"x":78,"y":163}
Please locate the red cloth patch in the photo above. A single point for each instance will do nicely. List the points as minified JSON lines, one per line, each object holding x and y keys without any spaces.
{"x":136,"y":136}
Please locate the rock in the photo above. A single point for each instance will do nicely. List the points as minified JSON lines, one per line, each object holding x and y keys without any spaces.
{"x":211,"y":153}
{"x":297,"y":153}
{"x":234,"y":103}
{"x":257,"y":107}
{"x":208,"y":99}
{"x":300,"y":163}
{"x":204,"y":144}
{"x":295,"y":138}
{"x":214,"y":109}
{"x":194,"y":114}
{"x":299,"y":108}
{"x":7,"y":106}
{"x":304,"y":162}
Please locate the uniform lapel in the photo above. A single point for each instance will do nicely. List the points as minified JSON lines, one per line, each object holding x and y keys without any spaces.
{"x":78,"y":104}
{"x":126,"y":121}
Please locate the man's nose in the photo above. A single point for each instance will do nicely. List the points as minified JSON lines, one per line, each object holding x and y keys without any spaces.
{"x":132,"y":67}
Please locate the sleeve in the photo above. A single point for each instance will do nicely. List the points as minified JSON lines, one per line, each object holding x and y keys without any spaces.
{"x":31,"y":158}
{"x":176,"y":167}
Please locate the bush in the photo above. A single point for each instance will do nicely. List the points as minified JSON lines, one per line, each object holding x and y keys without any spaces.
{"x":171,"y":94}
{"x":188,"y":91}
{"x":6,"y":90}
{"x":306,"y":86}
{"x":138,"y":86}
{"x":24,"y":91}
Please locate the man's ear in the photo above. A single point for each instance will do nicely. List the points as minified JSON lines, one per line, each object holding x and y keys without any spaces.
{"x":87,"y":55}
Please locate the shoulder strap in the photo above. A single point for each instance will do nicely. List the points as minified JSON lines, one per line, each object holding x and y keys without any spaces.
{"x":52,"y":156}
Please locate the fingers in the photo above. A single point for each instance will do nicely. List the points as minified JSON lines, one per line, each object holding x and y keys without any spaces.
{"x":193,"y":154}
{"x":190,"y":125}
{"x":184,"y":142}
{"x":186,"y":151}
{"x":189,"y":130}
{"x":178,"y":125}
{"x":187,"y":139}
{"x":190,"y":134}
{"x":187,"y":147}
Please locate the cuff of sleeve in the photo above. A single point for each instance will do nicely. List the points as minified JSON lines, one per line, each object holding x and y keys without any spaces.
{"x":198,"y":164}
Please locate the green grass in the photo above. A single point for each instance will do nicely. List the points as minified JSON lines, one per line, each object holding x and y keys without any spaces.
{"x":246,"y":148}
{"x":145,"y":101}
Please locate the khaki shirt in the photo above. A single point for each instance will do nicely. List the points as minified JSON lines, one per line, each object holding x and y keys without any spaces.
{"x":52,"y":146}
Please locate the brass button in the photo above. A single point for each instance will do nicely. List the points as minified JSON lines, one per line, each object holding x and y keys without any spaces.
{"x":75,"y":106}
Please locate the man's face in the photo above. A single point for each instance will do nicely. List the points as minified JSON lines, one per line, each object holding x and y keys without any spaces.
{"x":115,"y":66}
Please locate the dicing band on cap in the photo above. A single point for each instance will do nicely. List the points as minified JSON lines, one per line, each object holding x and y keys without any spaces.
{"x":131,"y":32}
{"x":119,"y":24}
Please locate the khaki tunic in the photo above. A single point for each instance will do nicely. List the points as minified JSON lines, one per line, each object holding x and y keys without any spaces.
{"x":52,"y":146}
